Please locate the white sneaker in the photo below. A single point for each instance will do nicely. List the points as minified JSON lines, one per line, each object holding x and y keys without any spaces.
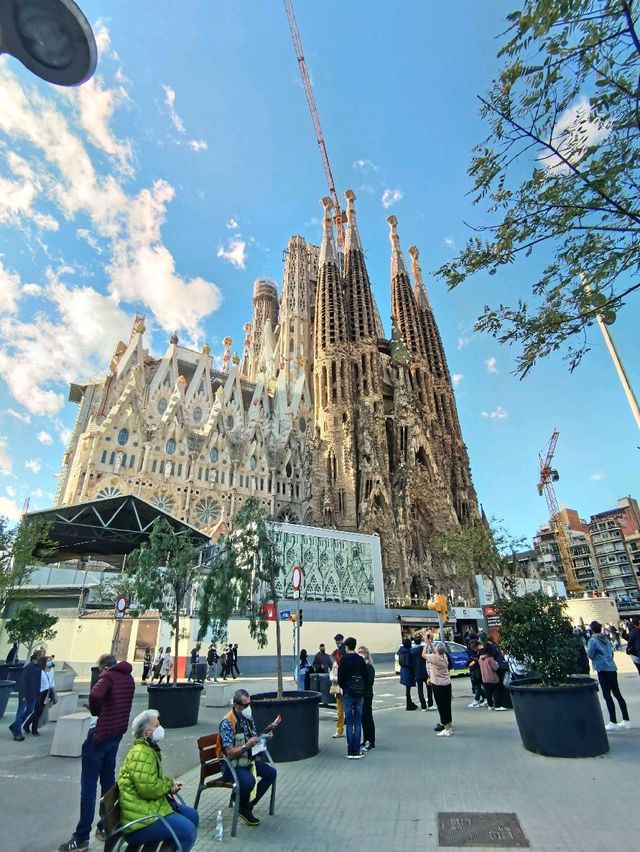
{"x":444,"y":733}
{"x":611,"y":726}
{"x":433,"y":707}
{"x":336,"y":735}
{"x":625,"y":724}
{"x":499,"y":708}
{"x":474,"y":704}
{"x":483,"y":703}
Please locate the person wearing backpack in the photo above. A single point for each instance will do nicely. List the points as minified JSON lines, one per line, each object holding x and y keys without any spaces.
{"x":352,"y":679}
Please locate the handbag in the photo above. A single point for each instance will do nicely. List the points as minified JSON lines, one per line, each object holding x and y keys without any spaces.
{"x":334,"y":689}
{"x":53,"y":698}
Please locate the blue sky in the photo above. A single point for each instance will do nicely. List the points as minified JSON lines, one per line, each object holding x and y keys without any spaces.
{"x":174,"y":178}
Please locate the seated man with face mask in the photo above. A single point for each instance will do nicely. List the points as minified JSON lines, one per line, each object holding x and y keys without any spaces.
{"x":145,"y":791}
{"x":237,"y":739}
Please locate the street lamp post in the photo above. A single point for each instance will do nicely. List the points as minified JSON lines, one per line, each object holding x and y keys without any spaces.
{"x":52,"y":38}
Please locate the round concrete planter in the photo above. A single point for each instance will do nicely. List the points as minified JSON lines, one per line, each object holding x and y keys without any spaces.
{"x":296,"y":738}
{"x":560,"y":721}
{"x":5,"y":691}
{"x":177,"y":705}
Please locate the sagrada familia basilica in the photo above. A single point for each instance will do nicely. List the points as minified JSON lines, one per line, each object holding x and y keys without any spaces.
{"x":325,"y":420}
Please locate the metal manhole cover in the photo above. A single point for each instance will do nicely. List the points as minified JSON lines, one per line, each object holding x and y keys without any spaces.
{"x":480,"y":829}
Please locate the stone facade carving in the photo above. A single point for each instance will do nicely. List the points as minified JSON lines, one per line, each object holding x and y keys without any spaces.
{"x":323,"y":419}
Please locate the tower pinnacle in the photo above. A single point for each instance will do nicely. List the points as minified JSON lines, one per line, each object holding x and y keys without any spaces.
{"x":419,"y":290}
{"x":397,"y":260}
{"x":327,"y":247}
{"x":353,"y":236}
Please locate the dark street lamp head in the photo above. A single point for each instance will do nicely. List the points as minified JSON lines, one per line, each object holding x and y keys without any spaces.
{"x":52,"y":38}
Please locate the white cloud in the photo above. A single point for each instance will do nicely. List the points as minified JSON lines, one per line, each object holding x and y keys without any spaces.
{"x":197,"y":145}
{"x":37,"y":492}
{"x":170,"y":102}
{"x":490,"y":364}
{"x":32,"y":290}
{"x":9,"y":287}
{"x":450,"y":242}
{"x":365,"y":166}
{"x":44,"y":438}
{"x":597,"y":476}
{"x":9,"y":509}
{"x":23,"y":418}
{"x":456,"y":379}
{"x":391,"y":197}
{"x":6,"y":465}
{"x":232,"y":224}
{"x":96,"y":106}
{"x":11,"y":491}
{"x":17,"y":196}
{"x":235,"y":253}
{"x":573,"y":133}
{"x":498,"y":414}
{"x":64,"y":433}
{"x":34,"y":465}
{"x":463,"y":341}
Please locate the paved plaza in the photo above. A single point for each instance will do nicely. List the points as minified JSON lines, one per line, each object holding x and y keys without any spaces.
{"x":389,"y":800}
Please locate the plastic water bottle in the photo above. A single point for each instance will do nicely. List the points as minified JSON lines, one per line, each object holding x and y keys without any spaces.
{"x":219,"y":832}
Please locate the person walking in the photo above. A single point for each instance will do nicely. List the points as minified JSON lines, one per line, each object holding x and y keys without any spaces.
{"x":600,"y":653}
{"x":28,"y":694}
{"x":368,"y":725}
{"x":12,"y":656}
{"x":157,"y":665}
{"x":223,"y":664}
{"x":110,"y":700}
{"x":490,"y":678}
{"x":193,"y":660}
{"x":322,"y":661}
{"x":45,"y":686}
{"x":420,"y":673}
{"x":335,"y":689}
{"x":352,"y":679}
{"x":633,"y":642}
{"x":167,"y":666}
{"x":212,"y":662}
{"x":234,"y":660}
{"x":407,"y":676}
{"x":147,"y":663}
{"x":441,"y":683}
{"x":303,"y":671}
{"x":475,"y":675}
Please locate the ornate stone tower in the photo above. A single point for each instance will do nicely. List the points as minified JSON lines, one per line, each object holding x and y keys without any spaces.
{"x":334,"y":464}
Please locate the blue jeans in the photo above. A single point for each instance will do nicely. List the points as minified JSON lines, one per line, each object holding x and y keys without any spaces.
{"x":353,"y":723}
{"x":265,"y":772}
{"x":184,"y":822}
{"x":26,"y":709}
{"x":98,"y":763}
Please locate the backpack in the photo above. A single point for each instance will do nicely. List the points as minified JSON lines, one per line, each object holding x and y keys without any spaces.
{"x":356,"y":686}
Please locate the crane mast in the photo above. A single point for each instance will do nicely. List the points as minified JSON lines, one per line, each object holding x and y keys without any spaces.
{"x":549,"y":475}
{"x":306,"y":81}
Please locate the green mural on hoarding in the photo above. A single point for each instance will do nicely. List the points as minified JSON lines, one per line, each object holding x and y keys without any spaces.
{"x":334,"y":569}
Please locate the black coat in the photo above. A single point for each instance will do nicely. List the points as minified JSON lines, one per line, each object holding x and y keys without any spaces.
{"x":30,"y":683}
{"x":419,"y":665}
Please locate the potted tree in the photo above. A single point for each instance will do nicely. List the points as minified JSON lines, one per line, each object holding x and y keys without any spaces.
{"x":558,"y":712}
{"x":163,"y":571}
{"x":244,"y":578}
{"x":28,"y":627}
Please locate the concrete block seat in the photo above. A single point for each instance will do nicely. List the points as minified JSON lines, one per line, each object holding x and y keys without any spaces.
{"x":70,"y":733}
{"x":67,"y":703}
{"x":218,"y":694}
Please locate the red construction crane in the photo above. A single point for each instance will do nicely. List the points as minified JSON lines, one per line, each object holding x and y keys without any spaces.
{"x":306,"y":81}
{"x":549,"y":475}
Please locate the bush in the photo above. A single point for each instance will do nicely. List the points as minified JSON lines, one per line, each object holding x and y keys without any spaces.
{"x":535,"y":629}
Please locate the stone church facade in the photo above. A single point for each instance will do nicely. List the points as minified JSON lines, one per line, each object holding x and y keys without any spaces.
{"x":323,"y":419}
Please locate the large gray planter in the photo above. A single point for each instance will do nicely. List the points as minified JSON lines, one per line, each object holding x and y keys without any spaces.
{"x":5,"y":691}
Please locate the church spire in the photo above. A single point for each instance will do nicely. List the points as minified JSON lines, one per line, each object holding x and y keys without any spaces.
{"x":419,"y":290}
{"x":352,"y":241}
{"x":328,"y":252}
{"x":403,"y":302}
{"x":397,"y":259}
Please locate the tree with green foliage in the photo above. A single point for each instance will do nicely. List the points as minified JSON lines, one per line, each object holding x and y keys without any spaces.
{"x":31,"y":625}
{"x":483,"y":547}
{"x":163,"y":571}
{"x":22,"y":548}
{"x":560,"y":172}
{"x":536,"y":630}
{"x":243,"y":577}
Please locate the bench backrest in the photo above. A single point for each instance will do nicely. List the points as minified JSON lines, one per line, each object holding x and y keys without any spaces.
{"x":110,"y":813}
{"x":210,"y":763}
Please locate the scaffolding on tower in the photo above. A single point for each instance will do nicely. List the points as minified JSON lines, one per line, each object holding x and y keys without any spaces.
{"x":549,"y":475}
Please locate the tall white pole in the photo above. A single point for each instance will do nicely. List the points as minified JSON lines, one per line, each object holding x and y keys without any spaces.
{"x":622,"y":375}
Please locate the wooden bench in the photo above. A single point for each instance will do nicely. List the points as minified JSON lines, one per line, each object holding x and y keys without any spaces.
{"x":110,"y":815}
{"x":211,"y":776}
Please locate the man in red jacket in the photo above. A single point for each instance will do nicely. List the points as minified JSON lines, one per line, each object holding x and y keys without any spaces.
{"x":110,"y":700}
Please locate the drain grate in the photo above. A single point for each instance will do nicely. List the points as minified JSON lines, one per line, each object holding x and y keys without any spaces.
{"x":481,"y":829}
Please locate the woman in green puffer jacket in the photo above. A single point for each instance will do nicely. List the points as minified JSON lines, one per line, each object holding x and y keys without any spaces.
{"x":146,"y":792}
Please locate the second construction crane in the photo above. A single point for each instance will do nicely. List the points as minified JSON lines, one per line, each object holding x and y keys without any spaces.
{"x":306,"y":81}
{"x":549,"y":475}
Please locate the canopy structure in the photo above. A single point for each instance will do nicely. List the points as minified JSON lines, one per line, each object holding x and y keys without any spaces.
{"x":107,"y":529}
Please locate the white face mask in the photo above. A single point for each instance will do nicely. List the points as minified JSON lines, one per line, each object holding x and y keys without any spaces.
{"x":247,"y":712}
{"x":158,"y":734}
